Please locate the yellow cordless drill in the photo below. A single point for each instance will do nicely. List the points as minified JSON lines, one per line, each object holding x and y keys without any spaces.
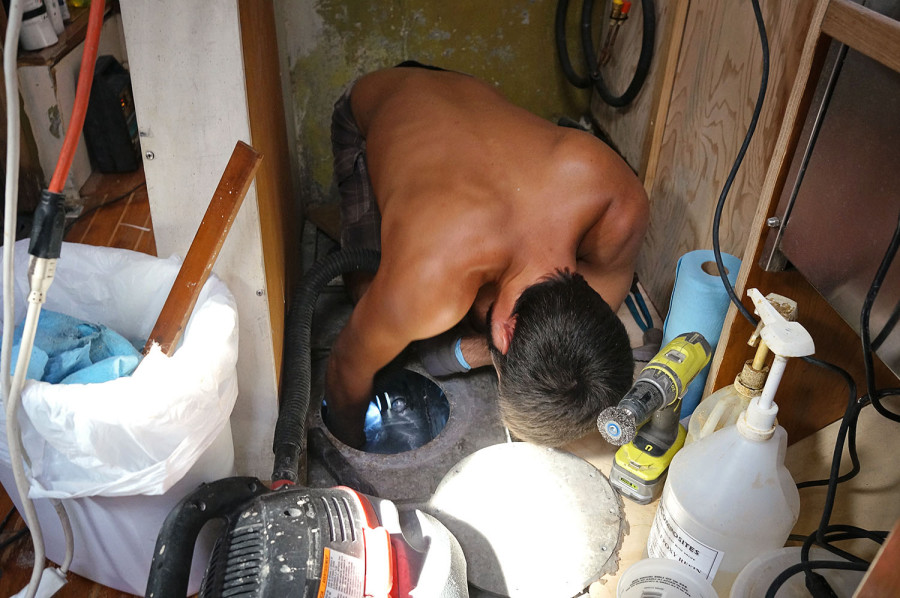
{"x":641,"y":464}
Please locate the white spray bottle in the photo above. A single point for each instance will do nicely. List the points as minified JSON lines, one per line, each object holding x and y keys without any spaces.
{"x":729,"y":497}
{"x":722,"y":408}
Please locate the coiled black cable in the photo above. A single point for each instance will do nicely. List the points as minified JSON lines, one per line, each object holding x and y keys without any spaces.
{"x":648,"y":39}
{"x":562,"y":50}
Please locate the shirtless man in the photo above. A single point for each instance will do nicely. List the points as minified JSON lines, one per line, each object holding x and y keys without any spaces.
{"x":486,"y":211}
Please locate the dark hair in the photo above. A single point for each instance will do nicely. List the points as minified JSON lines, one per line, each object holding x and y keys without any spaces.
{"x":569,"y":358}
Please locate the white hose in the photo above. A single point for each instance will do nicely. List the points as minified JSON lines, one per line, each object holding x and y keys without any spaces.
{"x":11,"y":83}
{"x":10,"y":397}
{"x":12,"y":388}
{"x":16,"y":451}
{"x":67,"y":531}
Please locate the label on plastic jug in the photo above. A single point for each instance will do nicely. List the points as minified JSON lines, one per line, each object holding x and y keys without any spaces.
{"x":343,"y":576}
{"x":668,"y":540}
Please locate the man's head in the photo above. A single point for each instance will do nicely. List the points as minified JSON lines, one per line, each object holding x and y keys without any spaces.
{"x":569,"y":358}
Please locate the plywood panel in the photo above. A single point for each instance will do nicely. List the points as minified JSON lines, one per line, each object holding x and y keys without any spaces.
{"x":712,"y":101}
{"x":632,"y":127}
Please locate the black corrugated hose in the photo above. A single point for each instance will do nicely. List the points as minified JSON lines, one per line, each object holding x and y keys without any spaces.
{"x":290,"y":429}
{"x":648,"y":10}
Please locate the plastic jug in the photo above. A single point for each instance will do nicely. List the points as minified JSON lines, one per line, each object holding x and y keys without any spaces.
{"x":729,"y":496}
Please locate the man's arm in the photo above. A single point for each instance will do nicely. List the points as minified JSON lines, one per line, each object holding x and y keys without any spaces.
{"x":401,"y":305}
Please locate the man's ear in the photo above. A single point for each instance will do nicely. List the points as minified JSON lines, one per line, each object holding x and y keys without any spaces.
{"x":503,"y":333}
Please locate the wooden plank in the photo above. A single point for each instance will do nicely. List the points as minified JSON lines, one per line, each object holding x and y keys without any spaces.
{"x":147,"y":242}
{"x":278,"y":219}
{"x":132,"y":225}
{"x":205,"y":248}
{"x":883,"y":577}
{"x":864,"y":30}
{"x":653,"y":141}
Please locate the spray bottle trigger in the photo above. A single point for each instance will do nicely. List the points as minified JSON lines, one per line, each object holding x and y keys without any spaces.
{"x":788,"y":339}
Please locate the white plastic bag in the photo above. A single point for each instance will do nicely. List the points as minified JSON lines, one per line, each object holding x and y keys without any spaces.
{"x":139,"y":434}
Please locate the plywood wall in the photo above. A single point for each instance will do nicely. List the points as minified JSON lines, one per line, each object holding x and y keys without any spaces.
{"x":715,"y":86}
{"x":636,"y":128}
{"x":328,"y":44}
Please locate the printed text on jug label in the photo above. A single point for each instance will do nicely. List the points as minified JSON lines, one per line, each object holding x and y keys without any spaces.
{"x":669,"y":541}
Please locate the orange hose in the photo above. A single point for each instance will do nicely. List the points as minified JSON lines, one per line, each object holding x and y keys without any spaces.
{"x":82,"y":95}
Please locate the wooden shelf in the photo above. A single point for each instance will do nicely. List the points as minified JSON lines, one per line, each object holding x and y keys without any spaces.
{"x":74,"y":34}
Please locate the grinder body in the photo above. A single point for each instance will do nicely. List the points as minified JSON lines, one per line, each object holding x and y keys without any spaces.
{"x":299,"y":542}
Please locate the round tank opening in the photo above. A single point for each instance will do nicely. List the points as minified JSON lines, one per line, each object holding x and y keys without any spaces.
{"x":407,"y":411}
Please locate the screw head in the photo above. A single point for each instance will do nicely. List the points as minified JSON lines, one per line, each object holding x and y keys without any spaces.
{"x":149,"y":155}
{"x":773,"y":222}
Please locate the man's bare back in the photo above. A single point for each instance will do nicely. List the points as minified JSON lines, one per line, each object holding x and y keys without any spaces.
{"x":479,"y":199}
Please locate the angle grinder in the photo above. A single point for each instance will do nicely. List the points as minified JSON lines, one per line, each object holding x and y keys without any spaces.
{"x":645,"y":422}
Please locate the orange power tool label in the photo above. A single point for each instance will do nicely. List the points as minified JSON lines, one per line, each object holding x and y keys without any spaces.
{"x":343,"y":576}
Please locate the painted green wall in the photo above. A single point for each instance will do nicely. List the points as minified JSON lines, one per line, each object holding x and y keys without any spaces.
{"x":329,"y":43}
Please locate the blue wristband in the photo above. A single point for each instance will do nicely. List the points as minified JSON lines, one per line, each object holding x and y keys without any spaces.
{"x":459,"y":356}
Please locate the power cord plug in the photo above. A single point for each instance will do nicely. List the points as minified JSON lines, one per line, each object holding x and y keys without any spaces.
{"x":46,"y":244}
{"x":49,"y":226}
{"x":818,"y":586}
{"x":41,"y":272}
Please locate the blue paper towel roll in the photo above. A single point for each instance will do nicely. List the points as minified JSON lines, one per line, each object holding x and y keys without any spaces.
{"x":698,"y":304}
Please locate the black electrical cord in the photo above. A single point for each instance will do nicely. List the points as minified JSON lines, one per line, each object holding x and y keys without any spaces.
{"x":648,"y":39}
{"x":874,"y":288}
{"x":851,"y":416}
{"x":751,"y":128}
{"x":826,"y":533}
{"x":887,"y":328}
{"x":794,"y":569}
{"x":815,"y":583}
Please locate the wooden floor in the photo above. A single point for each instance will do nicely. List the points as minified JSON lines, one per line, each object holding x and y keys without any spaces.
{"x":116,"y":213}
